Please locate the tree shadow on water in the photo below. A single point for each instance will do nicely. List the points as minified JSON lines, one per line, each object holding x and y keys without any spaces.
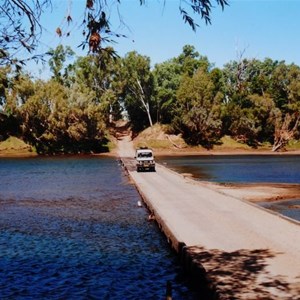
{"x":242,"y":274}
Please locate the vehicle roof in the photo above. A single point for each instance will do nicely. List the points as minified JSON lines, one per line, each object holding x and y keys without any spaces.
{"x":143,"y":150}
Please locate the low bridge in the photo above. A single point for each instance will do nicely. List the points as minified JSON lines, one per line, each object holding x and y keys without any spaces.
{"x":239,"y":250}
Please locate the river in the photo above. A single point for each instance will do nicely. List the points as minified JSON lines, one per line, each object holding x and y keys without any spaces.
{"x":71,"y":228}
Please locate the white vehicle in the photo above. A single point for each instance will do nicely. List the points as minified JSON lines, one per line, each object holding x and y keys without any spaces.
{"x":144,"y":160}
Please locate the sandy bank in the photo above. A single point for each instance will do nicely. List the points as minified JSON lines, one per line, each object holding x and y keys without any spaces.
{"x":201,"y":151}
{"x":259,"y":192}
{"x":16,"y":154}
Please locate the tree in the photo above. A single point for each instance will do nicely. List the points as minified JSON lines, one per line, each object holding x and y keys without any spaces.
{"x":249,"y":100}
{"x":138,"y":85}
{"x":98,"y":72}
{"x":85,"y":119}
{"x":15,"y":90}
{"x":167,"y":78}
{"x":285,"y":129}
{"x":20,"y":28}
{"x":262,"y":101}
{"x":9,"y":124}
{"x":287,"y":116}
{"x":190,"y":61}
{"x":58,"y":119}
{"x":253,"y":124}
{"x":20,"y":89}
{"x":199,"y":109}
{"x":4,"y":83}
{"x":57,"y":59}
{"x":201,"y":8}
{"x":34,"y":113}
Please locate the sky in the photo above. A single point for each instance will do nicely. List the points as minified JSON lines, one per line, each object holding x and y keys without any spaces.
{"x":252,"y":28}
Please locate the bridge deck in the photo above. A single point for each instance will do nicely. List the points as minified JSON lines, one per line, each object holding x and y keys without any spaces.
{"x":245,"y":249}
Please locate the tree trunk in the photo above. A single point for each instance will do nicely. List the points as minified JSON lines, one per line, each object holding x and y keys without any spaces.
{"x":283,"y":134}
{"x":145,"y":105}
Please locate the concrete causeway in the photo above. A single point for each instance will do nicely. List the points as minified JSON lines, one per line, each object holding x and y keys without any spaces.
{"x":246,"y":251}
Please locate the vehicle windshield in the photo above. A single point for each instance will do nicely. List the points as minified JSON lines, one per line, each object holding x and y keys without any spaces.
{"x":145,"y":154}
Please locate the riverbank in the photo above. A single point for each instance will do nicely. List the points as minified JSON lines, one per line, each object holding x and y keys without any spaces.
{"x":191,"y":151}
{"x":259,"y":192}
{"x":264,"y":192}
{"x":164,"y":143}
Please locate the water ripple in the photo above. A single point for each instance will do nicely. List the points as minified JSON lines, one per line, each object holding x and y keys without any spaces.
{"x":71,"y":229}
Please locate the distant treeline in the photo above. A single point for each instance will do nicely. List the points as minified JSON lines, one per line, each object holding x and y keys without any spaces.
{"x":252,"y":101}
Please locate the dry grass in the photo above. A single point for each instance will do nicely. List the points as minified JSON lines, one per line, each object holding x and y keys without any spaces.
{"x":229,"y":143}
{"x":155,"y":137}
{"x":293,"y":145}
{"x":15,"y":147}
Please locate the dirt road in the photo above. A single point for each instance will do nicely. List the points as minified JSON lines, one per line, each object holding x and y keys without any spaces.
{"x":250,"y":253}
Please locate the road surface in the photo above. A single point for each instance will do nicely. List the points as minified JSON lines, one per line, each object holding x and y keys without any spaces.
{"x":249,"y":252}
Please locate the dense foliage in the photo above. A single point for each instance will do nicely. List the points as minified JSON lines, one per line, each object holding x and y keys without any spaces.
{"x":250,"y":100}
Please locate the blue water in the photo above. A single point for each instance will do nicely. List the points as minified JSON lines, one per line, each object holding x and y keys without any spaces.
{"x":290,"y":208}
{"x":70,"y":228}
{"x":238,"y":168}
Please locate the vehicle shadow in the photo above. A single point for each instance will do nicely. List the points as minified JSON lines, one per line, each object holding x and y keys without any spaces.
{"x":241,"y":274}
